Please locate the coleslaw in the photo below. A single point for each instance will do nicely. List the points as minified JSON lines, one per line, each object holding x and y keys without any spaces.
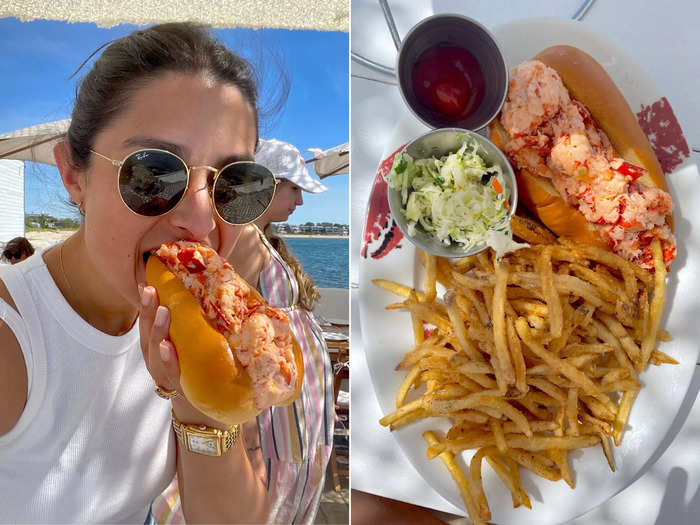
{"x":457,"y":198}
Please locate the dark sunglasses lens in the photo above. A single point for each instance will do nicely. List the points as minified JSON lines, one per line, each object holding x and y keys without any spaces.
{"x":152,"y":182}
{"x":243,"y":192}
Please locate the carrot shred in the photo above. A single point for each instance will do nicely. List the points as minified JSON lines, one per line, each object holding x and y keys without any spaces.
{"x":496,"y":185}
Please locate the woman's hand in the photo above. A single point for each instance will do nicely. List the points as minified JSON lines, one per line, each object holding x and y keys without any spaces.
{"x":158,"y":351}
{"x":160,"y":356}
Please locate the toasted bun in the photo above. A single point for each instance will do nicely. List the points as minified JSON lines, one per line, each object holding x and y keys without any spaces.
{"x":212,"y":379}
{"x":590,"y":84}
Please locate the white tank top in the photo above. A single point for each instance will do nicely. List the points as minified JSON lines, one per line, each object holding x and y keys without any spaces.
{"x":93,"y":444}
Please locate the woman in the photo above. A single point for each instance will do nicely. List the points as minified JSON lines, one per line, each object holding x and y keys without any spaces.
{"x":264,"y":260}
{"x":83,"y":436}
{"x":17,"y":250}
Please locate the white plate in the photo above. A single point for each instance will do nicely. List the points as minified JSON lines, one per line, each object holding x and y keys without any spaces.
{"x":387,"y":335}
{"x":335,"y":336}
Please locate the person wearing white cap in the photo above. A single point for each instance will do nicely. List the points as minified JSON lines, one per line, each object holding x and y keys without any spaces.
{"x":264,"y":260}
{"x":288,"y":166}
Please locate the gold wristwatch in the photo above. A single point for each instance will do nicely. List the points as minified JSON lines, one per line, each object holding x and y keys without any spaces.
{"x":202,"y":439}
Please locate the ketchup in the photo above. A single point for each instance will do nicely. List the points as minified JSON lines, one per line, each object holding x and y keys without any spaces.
{"x":448,"y":80}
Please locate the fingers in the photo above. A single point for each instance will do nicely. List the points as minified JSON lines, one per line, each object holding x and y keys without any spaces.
{"x":147,"y":314}
{"x":169,"y":365}
{"x":158,"y":352}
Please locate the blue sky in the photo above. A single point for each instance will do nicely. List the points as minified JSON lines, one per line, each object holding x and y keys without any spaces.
{"x":37,"y":58}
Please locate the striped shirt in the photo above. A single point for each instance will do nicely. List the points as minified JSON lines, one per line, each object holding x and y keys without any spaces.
{"x":295,"y":440}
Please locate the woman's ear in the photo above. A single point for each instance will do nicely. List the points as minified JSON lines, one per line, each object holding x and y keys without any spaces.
{"x":72,"y":177}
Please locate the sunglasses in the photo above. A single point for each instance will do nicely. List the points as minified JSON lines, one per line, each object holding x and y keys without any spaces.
{"x":152,"y":182}
{"x":12,"y":255}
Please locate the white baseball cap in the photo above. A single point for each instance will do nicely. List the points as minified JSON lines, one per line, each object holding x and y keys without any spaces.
{"x":285,"y":162}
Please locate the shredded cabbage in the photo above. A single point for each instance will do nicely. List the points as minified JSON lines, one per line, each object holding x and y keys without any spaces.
{"x":457,"y":198}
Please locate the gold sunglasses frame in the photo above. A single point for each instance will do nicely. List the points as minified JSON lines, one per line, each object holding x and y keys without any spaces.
{"x":217,"y":171}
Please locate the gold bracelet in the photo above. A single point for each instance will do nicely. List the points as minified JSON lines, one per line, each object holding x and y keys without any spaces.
{"x":165,"y":394}
{"x":202,"y":439}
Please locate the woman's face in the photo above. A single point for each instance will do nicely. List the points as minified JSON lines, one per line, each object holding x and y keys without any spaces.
{"x":204,"y":122}
{"x":287,"y":198}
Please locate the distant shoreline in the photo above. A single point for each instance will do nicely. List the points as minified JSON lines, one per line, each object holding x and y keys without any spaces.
{"x":312,"y":236}
{"x":45,"y":238}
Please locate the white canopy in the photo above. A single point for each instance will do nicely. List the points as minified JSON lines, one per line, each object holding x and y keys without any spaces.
{"x":333,"y":161}
{"x":324,"y":15}
{"x":34,"y":143}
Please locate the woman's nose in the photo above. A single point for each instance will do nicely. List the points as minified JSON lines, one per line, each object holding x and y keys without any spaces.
{"x":300,"y":199}
{"x":194,"y":215}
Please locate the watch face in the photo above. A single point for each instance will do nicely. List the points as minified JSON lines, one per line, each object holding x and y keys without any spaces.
{"x":203,"y":445}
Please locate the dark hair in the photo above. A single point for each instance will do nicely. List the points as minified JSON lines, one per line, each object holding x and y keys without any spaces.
{"x":308,"y":291}
{"x":129,"y":62}
{"x":18,"y":246}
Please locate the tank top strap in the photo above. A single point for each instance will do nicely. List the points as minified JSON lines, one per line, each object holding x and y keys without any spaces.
{"x":281,"y":276}
{"x":24,"y":322}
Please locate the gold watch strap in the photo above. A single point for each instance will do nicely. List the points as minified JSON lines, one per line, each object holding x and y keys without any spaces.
{"x":225,"y":438}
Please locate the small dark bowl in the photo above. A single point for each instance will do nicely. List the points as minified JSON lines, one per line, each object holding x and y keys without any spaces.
{"x":459,"y":31}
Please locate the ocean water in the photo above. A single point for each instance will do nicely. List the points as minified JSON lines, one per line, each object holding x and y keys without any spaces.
{"x":324,"y":259}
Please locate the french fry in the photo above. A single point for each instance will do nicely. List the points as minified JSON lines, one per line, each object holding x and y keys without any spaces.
{"x":657,"y":304}
{"x":622,"y":335}
{"x":462,"y":483}
{"x":477,"y":486}
{"x":560,"y":457}
{"x":658,"y":358}
{"x":425,"y":312}
{"x":476,"y":367}
{"x":537,"y":463}
{"x":548,"y":388}
{"x":607,"y":450}
{"x":424,"y":349}
{"x":507,"y":476}
{"x":544,"y":267}
{"x":537,"y":443}
{"x":623,"y":413}
{"x":418,"y":330}
{"x":406,"y":385}
{"x":503,"y":367}
{"x":407,"y":418}
{"x":397,"y":289}
{"x":562,"y":367}
{"x":524,"y":306}
{"x":515,"y":473}
{"x":430,"y":277}
{"x":572,"y":412}
{"x":498,"y":434}
{"x":458,"y":325}
{"x":400,"y":412}
{"x":663,"y":335}
{"x":534,"y":355}
{"x":531,"y":231}
{"x":534,"y":409}
{"x":516,"y":355}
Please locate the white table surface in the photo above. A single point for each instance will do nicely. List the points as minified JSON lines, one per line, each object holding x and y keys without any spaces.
{"x":661,"y":35}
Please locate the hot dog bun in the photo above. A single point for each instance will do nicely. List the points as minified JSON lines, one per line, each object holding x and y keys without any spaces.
{"x":212,"y":378}
{"x":588,"y":83}
{"x":541,"y":197}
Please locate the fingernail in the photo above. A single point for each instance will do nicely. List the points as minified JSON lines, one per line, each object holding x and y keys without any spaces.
{"x":140,"y":286}
{"x":146,"y":297}
{"x":164,"y":352}
{"x":161,"y":316}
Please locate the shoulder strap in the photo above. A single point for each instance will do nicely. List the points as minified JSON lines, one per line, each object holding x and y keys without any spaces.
{"x":291,"y":279}
{"x":24,"y":323}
